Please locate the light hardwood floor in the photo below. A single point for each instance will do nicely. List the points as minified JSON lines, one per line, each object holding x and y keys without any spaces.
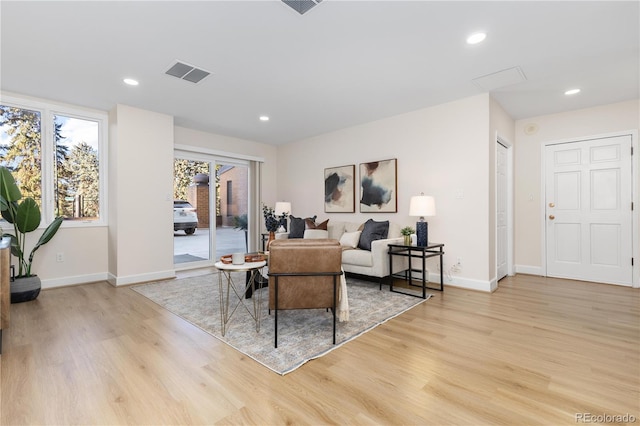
{"x":538,"y":351}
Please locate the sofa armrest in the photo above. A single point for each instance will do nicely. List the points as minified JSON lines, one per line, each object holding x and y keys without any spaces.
{"x":380,"y":257}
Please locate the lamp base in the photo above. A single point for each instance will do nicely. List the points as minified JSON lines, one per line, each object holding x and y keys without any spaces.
{"x":422,"y":234}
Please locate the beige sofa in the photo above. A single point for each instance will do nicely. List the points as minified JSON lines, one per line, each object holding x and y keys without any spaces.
{"x":373,"y":263}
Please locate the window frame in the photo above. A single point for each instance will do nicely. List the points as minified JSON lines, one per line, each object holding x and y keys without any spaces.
{"x":48,"y":110}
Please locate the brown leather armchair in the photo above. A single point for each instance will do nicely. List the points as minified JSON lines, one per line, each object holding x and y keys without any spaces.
{"x":304,"y":274}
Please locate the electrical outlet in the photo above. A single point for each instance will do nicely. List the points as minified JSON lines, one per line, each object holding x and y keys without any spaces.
{"x":459,"y":263}
{"x":60,"y":257}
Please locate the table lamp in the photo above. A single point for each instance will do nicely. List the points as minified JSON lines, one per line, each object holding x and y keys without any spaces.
{"x":281,"y":208}
{"x":422,"y":205}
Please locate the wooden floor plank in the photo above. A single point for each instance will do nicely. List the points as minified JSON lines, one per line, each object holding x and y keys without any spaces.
{"x":537,"y":351}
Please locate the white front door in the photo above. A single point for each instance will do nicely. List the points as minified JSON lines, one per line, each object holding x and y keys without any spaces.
{"x":501,"y":211}
{"x":588,"y":194}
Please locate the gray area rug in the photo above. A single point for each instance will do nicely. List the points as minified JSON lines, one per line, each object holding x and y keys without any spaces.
{"x":184,"y":258}
{"x":302,"y":334}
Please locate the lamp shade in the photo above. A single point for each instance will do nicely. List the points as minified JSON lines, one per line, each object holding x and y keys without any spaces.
{"x":422,"y":205}
{"x":282,"y":207}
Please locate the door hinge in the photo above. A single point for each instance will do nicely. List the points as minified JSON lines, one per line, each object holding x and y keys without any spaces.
{"x":632,"y":261}
{"x":631,"y":150}
{"x":632,"y":206}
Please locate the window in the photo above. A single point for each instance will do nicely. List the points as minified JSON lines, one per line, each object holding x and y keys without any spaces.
{"x":229,"y":198}
{"x":54,"y":154}
{"x":76,"y":172}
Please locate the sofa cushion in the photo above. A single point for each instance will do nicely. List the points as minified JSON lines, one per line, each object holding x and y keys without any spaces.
{"x":311,"y":224}
{"x":336,"y":229}
{"x":316,"y":234}
{"x":372,"y":231}
{"x":357,"y":257}
{"x":297,"y":226}
{"x":350,"y":239}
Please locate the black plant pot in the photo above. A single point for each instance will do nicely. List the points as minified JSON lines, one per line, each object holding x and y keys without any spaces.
{"x":25,"y":289}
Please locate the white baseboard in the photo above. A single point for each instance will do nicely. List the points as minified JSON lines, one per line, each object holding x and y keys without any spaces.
{"x":530,"y":270}
{"x":461,"y":282}
{"x":140,"y":278}
{"x":77,"y":280}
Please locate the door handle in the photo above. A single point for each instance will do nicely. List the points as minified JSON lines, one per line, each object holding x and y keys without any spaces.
{"x":551,"y":217}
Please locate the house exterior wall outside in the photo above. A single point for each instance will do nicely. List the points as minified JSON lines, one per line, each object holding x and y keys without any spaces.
{"x":198,"y":196}
{"x":239,"y":194}
{"x":441,"y":151}
{"x":599,"y":120}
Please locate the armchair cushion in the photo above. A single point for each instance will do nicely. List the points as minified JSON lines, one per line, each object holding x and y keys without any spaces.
{"x":303,"y":256}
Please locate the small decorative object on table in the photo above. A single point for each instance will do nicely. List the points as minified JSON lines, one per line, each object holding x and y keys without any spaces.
{"x":227,"y":259}
{"x":406,"y":232}
{"x":272,"y":221}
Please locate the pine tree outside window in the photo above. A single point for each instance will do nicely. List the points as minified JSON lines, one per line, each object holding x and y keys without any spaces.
{"x":54,"y":154}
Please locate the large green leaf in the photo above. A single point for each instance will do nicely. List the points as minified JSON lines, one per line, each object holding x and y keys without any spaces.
{"x":10,"y":213}
{"x":49,"y":232}
{"x":28,"y":215}
{"x":15,"y":247}
{"x":44,"y":239}
{"x":8,"y":188}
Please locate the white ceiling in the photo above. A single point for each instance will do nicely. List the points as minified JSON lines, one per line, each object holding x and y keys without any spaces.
{"x":341,"y":64}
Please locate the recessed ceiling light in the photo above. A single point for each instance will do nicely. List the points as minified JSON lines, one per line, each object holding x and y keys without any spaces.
{"x":264,"y":118}
{"x":476,"y":38}
{"x":131,"y":82}
{"x":572,"y":92}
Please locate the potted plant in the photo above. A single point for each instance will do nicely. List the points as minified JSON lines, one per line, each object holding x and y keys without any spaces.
{"x":241,"y":223}
{"x":25,"y":216}
{"x":271,"y":222}
{"x":407,"y":231}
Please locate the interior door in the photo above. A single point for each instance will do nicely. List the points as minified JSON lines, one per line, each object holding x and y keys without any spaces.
{"x":501,"y":212}
{"x":588,"y":193}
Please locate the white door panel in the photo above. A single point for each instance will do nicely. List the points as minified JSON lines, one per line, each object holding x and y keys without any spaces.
{"x":588,"y":216}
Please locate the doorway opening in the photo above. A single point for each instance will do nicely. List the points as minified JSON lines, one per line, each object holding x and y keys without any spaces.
{"x":213,"y":193}
{"x":588,"y":209}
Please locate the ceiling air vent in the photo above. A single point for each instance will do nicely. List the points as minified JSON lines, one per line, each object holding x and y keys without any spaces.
{"x":187,"y":72}
{"x":301,"y":6}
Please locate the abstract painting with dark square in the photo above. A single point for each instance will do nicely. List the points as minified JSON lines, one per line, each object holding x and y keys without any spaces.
{"x":339,"y":189}
{"x":378,"y":187}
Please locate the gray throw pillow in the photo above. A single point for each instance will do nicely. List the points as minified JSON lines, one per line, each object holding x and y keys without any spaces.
{"x":372,"y":231}
{"x":297,"y":226}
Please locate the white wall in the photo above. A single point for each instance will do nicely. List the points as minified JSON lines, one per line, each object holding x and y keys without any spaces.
{"x":442,"y":151}
{"x":580,"y":123}
{"x":140,"y":195}
{"x":85,"y":256}
{"x":235,"y":147}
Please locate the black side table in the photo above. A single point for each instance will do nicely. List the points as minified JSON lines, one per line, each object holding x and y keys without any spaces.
{"x":421,"y":252}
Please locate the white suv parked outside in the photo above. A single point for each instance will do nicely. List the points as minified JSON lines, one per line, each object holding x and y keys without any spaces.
{"x":184,"y":217}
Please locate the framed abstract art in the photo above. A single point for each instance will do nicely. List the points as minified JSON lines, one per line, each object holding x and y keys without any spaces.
{"x":339,"y":189}
{"x":379,"y":187}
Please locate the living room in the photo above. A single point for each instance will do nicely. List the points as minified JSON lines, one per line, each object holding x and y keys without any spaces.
{"x":445,"y":149}
{"x":452,"y":142}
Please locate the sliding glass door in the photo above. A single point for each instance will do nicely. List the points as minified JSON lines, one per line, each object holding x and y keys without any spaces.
{"x":232,"y":209}
{"x":211,"y":208}
{"x":191,"y":206}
